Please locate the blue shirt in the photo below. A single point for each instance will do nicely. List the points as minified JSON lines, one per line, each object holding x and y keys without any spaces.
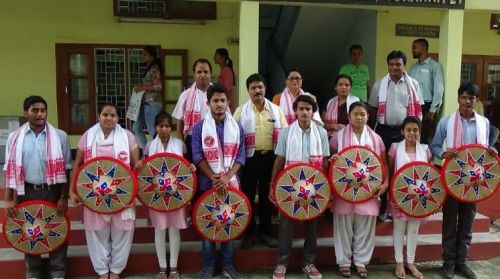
{"x":469,"y":134}
{"x":430,"y":77}
{"x":306,"y":138}
{"x":204,"y":183}
{"x":35,"y":154}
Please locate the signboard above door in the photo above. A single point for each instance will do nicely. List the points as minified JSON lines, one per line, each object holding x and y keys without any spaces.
{"x":445,"y":4}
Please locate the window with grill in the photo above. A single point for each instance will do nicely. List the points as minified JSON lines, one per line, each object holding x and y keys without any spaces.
{"x":91,"y":75}
{"x":165,"y":9}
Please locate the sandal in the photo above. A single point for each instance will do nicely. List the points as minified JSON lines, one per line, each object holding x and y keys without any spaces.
{"x":345,"y":271}
{"x":162,"y":275}
{"x":173,"y":274}
{"x":104,"y":276}
{"x":400,"y":271}
{"x":113,"y":275}
{"x":414,"y":271}
{"x":362,"y":271}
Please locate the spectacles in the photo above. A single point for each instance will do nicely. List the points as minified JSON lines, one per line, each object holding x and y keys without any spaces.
{"x":294,"y":78}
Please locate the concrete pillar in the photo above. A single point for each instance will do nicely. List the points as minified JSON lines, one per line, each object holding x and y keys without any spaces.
{"x":249,"y":45}
{"x":450,"y":56}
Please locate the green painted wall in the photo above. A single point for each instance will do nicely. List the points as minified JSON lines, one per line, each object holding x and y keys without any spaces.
{"x":478,"y":39}
{"x":31,"y":28}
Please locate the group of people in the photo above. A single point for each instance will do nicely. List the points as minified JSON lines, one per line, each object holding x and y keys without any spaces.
{"x":247,"y":150}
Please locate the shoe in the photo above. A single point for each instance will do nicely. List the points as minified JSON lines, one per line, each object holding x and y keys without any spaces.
{"x":206,"y":273}
{"x":162,"y":275}
{"x":382,"y":217}
{"x":279,"y":272}
{"x":312,"y":272}
{"x":464,"y":270}
{"x":246,"y":242}
{"x":447,"y":271}
{"x":230,"y":272}
{"x":268,"y":241}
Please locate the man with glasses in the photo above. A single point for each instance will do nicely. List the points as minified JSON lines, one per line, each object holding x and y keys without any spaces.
{"x":292,"y":90}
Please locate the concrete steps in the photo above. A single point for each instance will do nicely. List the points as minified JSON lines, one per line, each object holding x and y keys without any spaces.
{"x":485,"y":245}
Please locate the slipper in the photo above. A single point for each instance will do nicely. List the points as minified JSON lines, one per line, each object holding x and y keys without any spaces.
{"x":414,"y":271}
{"x":362,"y":272}
{"x":345,"y":271}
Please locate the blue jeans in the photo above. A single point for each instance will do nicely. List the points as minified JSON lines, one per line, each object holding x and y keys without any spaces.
{"x":227,"y":251}
{"x":147,"y":115}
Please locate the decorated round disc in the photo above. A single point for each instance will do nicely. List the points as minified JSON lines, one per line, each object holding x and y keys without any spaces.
{"x":105,"y":185}
{"x":302,"y":192}
{"x":37,"y":229}
{"x":473,"y":175}
{"x":222,"y":218}
{"x":165,"y":182}
{"x":356,"y":173}
{"x":417,"y":189}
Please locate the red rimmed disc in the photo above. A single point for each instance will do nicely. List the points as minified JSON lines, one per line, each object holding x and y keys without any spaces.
{"x":222,"y":218}
{"x":356,"y":173}
{"x":105,"y":185}
{"x":37,"y":229}
{"x":165,"y":182}
{"x":417,"y":189}
{"x":302,"y":192}
{"x":473,"y":175}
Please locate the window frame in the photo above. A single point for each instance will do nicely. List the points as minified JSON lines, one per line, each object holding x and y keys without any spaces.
{"x":171,"y":13}
{"x":63,"y":77}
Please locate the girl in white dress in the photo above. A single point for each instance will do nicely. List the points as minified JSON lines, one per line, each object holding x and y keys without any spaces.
{"x":176,"y":220}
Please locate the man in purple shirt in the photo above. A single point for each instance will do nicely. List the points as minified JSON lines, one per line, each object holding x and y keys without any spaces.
{"x":209,"y":177}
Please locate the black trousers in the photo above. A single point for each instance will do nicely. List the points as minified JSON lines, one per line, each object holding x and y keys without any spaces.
{"x":255,"y":179}
{"x":427,"y":126}
{"x":389,"y":135}
{"x":458,"y":218}
{"x":57,"y":258}
{"x":189,"y":154}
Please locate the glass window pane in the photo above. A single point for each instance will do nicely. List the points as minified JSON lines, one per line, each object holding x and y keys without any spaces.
{"x":110,"y":80}
{"x":170,"y":108}
{"x":78,"y":89}
{"x":80,"y":114}
{"x":78,"y":64}
{"x":493,"y":81}
{"x":136,"y":66}
{"x":173,"y":65}
{"x":173,"y":89}
{"x":468,"y":72}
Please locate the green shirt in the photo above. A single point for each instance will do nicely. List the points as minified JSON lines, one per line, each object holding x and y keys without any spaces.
{"x":360,"y":77}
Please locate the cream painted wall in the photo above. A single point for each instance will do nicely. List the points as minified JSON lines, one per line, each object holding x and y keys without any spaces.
{"x":478,"y":39}
{"x":31,"y":28}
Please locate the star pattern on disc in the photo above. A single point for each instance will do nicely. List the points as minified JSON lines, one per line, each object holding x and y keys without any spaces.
{"x":43,"y":230}
{"x":417,"y":191}
{"x":472,"y":174}
{"x":360,"y":174}
{"x":303,"y":193}
{"x":101,"y":194}
{"x":228,"y":216}
{"x":169,"y":179}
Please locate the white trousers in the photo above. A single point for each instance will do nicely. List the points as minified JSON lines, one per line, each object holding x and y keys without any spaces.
{"x":411,"y":228}
{"x":174,"y":239}
{"x":354,"y":237}
{"x":109,"y":249}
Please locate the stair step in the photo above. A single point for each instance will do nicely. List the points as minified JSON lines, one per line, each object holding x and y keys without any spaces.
{"x":143,"y":256}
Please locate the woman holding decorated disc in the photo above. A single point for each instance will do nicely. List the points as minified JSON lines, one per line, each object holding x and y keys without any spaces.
{"x":354,"y":223}
{"x":109,"y":237}
{"x":165,"y":142}
{"x":408,"y":150}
